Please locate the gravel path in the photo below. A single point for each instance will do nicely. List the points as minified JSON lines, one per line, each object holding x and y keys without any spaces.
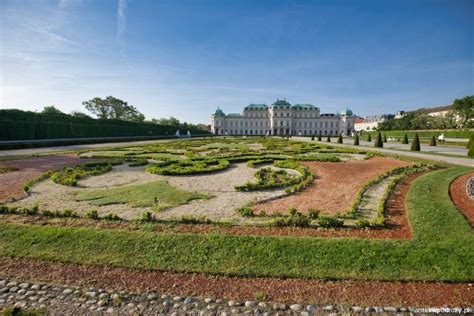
{"x":368,"y":207}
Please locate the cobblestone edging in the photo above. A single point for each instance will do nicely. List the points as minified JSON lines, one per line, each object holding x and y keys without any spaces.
{"x":73,"y":300}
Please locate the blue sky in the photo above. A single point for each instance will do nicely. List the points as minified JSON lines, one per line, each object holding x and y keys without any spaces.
{"x":185,"y":58}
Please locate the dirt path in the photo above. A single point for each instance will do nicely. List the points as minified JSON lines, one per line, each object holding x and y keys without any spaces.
{"x":460,"y":198}
{"x":335,"y":187}
{"x":371,"y":293}
{"x":11,"y":183}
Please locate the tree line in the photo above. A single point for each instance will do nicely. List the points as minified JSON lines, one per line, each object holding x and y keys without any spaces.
{"x":461,"y":116}
{"x":111,"y":108}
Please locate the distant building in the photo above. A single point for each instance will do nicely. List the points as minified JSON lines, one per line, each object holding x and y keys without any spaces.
{"x":372,"y":122}
{"x":282,"y":118}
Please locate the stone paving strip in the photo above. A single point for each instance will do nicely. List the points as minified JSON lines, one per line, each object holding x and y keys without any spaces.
{"x":56,"y":299}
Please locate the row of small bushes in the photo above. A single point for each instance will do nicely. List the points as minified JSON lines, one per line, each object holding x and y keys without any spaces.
{"x":7,"y":169}
{"x":404,"y":173}
{"x":148,"y":217}
{"x":186,"y":167}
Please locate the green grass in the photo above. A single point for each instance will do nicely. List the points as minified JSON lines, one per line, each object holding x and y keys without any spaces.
{"x":442,"y":248}
{"x":140,"y":195}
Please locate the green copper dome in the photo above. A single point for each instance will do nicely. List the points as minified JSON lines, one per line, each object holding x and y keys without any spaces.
{"x":346,"y":112}
{"x":219,"y":112}
{"x":281,"y":104}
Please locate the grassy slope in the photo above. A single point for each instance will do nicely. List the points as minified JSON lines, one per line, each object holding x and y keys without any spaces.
{"x":442,"y":248}
{"x":140,"y":195}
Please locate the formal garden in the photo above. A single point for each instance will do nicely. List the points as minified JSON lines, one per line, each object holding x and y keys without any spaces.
{"x":229,"y":206}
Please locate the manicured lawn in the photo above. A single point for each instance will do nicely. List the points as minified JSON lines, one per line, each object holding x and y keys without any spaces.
{"x":442,"y":247}
{"x":140,"y":195}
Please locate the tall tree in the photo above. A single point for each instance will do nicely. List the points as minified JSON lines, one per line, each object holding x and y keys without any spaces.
{"x":113,"y":108}
{"x":51,"y":109}
{"x":80,"y":114}
{"x":465,"y":109}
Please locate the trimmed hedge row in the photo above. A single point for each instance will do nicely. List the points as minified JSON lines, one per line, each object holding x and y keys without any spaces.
{"x":22,"y":125}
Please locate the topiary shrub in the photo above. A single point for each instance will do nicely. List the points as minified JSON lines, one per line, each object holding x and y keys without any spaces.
{"x":470,"y":147}
{"x":339,"y":139}
{"x":92,"y":215}
{"x":147,"y":217}
{"x":328,"y":139}
{"x":369,"y":138}
{"x":384,"y":138}
{"x":356,"y":140}
{"x":378,"y":141}
{"x":415,"y":145}
{"x":319,"y":137}
{"x":405,"y":139}
{"x":312,"y":137}
{"x":433,"y":141}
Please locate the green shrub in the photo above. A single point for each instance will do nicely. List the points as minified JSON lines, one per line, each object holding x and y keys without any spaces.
{"x":34,"y":210}
{"x":339,"y":139}
{"x":319,"y":137}
{"x":312,"y":137}
{"x":297,"y":220}
{"x":148,"y":217}
{"x":190,"y":219}
{"x":186,"y":167}
{"x":384,"y":138}
{"x":369,"y":138}
{"x":378,"y":141}
{"x":405,"y":139}
{"x":328,"y":139}
{"x":26,"y":188}
{"x":92,"y":215}
{"x":415,"y":145}
{"x":138,"y":162}
{"x":361,"y":223}
{"x":69,"y":176}
{"x":292,"y":211}
{"x":245,"y":211}
{"x":112,"y":217}
{"x":356,"y":140}
{"x":313,"y":213}
{"x":330,"y":222}
{"x":433,"y":141}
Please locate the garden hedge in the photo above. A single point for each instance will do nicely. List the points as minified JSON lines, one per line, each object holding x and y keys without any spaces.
{"x":23,"y":125}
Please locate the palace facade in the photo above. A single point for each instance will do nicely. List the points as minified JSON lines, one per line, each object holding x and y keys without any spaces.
{"x":282,"y":118}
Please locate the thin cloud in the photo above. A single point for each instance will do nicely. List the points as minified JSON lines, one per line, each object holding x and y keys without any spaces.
{"x":121,"y":7}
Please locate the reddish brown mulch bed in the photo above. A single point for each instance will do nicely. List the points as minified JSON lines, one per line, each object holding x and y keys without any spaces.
{"x":460,"y":198}
{"x":397,"y":226}
{"x":11,"y":183}
{"x":279,"y":290}
{"x":335,"y":187}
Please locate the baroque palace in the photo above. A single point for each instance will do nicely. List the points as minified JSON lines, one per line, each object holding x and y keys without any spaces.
{"x":282,"y":118}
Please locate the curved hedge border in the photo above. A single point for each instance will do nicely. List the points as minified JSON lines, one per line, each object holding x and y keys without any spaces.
{"x":69,"y":176}
{"x":296,"y":183}
{"x":404,"y":171}
{"x":186,"y":167}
